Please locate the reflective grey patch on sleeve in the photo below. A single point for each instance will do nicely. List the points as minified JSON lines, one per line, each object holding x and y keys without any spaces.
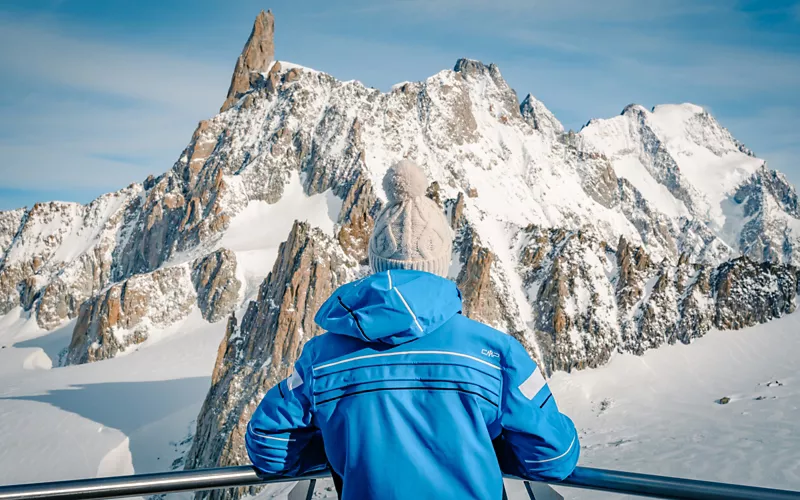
{"x":294,"y":381}
{"x":533,"y":384}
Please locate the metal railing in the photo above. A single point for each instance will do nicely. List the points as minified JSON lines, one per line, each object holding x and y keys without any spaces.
{"x":208,"y":479}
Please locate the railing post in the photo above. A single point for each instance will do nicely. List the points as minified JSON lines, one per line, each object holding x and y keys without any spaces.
{"x":311,"y":485}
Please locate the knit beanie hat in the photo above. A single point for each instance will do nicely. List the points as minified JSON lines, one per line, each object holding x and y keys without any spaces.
{"x":411,"y":232}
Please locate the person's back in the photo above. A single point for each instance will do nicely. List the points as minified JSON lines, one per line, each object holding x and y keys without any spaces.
{"x":410,"y":398}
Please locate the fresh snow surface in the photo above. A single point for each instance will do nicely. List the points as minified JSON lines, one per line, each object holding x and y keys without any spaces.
{"x":68,"y":230}
{"x":512,"y":172}
{"x":715,"y":176}
{"x":255,"y":233}
{"x":658,"y":414}
{"x":286,"y":65}
{"x":631,"y":168}
{"x":118,"y":416}
{"x":705,"y":153}
{"x":82,"y":238}
{"x":654,"y":414}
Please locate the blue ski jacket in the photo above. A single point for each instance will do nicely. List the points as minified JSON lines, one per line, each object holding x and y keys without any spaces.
{"x":408,"y":399}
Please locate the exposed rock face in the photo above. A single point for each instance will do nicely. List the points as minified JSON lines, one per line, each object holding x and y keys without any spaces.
{"x":633,"y":265}
{"x":506,"y":107}
{"x":434,"y":193}
{"x":188,"y":207}
{"x":258,"y":53}
{"x":769,"y":205}
{"x":484,"y":286}
{"x":11,"y":276}
{"x":481,"y":300}
{"x":261,"y":351}
{"x":124,"y":314}
{"x":10,"y":225}
{"x":659,"y":162}
{"x":214,"y":279}
{"x":79,"y":279}
{"x":539,"y":117}
{"x":357,"y":218}
{"x":592,"y":300}
{"x":456,"y":212}
{"x":59,"y":254}
{"x":748,"y":293}
{"x":598,"y":178}
{"x":576,"y":315}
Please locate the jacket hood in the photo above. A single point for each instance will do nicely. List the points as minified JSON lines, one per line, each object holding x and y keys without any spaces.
{"x":391,"y":307}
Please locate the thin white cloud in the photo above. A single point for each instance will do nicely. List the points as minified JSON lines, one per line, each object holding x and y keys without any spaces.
{"x":85,"y":113}
{"x":668,"y":56}
{"x":783,"y":122}
{"x":547,"y":40}
{"x":76,"y":144}
{"x":551,"y":10}
{"x":40,"y":51}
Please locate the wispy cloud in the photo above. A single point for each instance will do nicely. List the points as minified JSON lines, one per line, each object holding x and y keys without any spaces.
{"x":17,"y":198}
{"x":84,"y":114}
{"x":79,"y":144}
{"x":551,"y":10}
{"x":176,"y":80}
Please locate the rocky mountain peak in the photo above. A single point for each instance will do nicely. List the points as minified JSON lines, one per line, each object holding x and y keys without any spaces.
{"x":633,"y":109}
{"x":470,"y":67}
{"x":473,"y":68}
{"x":539,"y":117}
{"x":257,"y":55}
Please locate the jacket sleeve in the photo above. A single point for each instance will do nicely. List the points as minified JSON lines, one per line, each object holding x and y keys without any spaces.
{"x":536,"y":441}
{"x":281,"y":438}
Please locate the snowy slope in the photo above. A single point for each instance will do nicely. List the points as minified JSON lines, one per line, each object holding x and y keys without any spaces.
{"x":687,"y":165}
{"x":137,"y":411}
{"x":256,"y":232}
{"x":658,"y":413}
{"x":706,"y":155}
{"x":107,"y":418}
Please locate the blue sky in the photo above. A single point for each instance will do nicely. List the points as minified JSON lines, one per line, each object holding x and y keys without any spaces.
{"x":97,"y":94}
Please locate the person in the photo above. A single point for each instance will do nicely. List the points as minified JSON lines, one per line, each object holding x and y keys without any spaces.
{"x":403,"y":396}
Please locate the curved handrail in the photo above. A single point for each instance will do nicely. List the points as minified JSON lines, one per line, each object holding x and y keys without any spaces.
{"x":227,"y":477}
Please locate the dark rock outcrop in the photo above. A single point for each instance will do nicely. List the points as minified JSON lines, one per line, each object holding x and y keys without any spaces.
{"x":539,"y":117}
{"x":748,"y":293}
{"x":484,"y":290}
{"x":261,"y":350}
{"x":124,"y":315}
{"x":214,"y":279}
{"x":357,"y":218}
{"x":572,"y":298}
{"x":766,"y":237}
{"x":591,"y":300}
{"x":257,"y":54}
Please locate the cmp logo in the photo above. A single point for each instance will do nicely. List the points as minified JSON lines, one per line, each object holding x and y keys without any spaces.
{"x":490,"y":353}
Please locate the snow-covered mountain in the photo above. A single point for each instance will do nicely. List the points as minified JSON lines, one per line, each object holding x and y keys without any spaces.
{"x":647,"y":228}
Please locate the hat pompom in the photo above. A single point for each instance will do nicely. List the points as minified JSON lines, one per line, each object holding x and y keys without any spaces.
{"x":404,"y":180}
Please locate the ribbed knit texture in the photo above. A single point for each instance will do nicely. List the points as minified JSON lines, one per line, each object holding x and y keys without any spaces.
{"x":411,"y":232}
